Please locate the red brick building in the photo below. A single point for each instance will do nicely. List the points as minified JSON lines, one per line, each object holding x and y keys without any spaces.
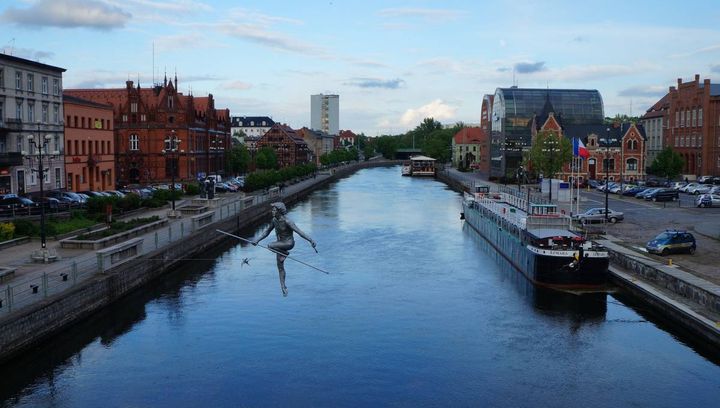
{"x":144,"y":120}
{"x":471,"y":149}
{"x":288,"y":145}
{"x":89,"y":145}
{"x":346,"y":138}
{"x":622,"y":145}
{"x":694,"y":125}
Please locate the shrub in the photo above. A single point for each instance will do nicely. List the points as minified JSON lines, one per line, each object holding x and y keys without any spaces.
{"x":192,"y":189}
{"x":26,"y":228}
{"x":7,"y":231}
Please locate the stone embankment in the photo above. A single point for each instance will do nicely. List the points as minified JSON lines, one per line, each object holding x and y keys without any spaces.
{"x":24,"y":327}
{"x":683,"y":297}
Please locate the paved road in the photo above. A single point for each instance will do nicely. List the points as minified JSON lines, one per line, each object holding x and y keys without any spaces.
{"x":646,"y":219}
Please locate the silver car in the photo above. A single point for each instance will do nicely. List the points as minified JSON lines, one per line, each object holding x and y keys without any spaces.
{"x":708,"y":200}
{"x":598,"y":215}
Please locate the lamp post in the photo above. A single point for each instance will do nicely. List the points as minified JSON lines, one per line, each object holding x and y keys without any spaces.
{"x":607,"y":171}
{"x":41,"y":145}
{"x":171,"y":148}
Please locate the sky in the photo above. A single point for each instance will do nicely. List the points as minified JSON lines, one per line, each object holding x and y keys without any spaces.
{"x":393,"y":63}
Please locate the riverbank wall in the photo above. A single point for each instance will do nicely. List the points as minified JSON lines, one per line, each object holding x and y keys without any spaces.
{"x":26,"y":327}
{"x":690,"y":302}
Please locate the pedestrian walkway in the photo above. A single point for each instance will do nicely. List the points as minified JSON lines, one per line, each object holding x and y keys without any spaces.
{"x":32,"y":281}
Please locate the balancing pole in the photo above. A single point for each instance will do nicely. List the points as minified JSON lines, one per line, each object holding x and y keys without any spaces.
{"x":272,"y":250}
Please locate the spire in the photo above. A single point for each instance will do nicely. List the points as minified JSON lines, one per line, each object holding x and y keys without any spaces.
{"x":165,"y":78}
{"x":176,"y":83}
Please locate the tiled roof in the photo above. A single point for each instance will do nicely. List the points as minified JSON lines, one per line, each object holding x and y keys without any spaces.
{"x":470,"y":135}
{"x":244,"y":121}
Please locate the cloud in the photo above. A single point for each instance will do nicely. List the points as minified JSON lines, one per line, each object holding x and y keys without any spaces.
{"x":27,"y":53}
{"x":436,"y":109}
{"x":174,"y":6}
{"x":259,"y":18}
{"x":529,"y":67}
{"x":652,"y":90}
{"x":237,"y":85}
{"x":715,"y":68}
{"x":712,"y":48}
{"x":503,"y":69}
{"x":260,"y":35}
{"x":432,"y":15}
{"x":181,"y":41}
{"x":68,"y":14}
{"x":376,"y":83}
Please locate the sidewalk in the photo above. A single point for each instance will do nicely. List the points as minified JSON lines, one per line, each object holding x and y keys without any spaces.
{"x":33,"y":281}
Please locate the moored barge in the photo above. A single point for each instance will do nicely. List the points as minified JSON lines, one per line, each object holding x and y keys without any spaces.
{"x":537,"y":240}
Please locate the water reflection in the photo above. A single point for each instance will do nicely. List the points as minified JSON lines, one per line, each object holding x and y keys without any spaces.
{"x":577,"y":308}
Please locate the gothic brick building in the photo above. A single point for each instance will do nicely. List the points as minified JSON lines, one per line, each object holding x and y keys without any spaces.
{"x":288,"y":145}
{"x":145,"y":120}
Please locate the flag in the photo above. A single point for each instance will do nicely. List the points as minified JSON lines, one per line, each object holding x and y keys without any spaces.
{"x":579,"y":149}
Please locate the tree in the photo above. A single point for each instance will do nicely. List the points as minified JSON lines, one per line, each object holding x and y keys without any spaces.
{"x":238,"y":159}
{"x":667,"y":164}
{"x":266,"y":158}
{"x":549,"y":153}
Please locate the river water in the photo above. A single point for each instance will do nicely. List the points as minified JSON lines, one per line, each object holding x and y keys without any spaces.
{"x":416,"y":311}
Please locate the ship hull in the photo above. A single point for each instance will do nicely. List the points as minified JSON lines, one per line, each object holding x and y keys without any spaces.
{"x":558,"y":269}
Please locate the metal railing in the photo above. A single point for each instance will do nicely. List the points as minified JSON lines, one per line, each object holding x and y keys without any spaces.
{"x":63,"y":276}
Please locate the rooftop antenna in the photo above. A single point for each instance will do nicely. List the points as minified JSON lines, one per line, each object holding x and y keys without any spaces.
{"x":153,"y":67}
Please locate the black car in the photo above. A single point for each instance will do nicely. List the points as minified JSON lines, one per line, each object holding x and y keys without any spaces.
{"x":16,"y":203}
{"x":663,"y":194}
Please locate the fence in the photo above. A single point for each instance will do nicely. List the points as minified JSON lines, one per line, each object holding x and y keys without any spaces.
{"x":66,"y":275}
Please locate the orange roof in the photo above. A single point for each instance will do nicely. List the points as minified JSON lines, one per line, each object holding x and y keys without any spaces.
{"x":470,"y":135}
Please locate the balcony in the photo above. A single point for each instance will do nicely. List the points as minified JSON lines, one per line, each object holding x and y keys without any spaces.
{"x":11,"y":124}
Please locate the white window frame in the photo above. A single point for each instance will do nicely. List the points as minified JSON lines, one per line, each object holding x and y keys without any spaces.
{"x":56,"y":87}
{"x":18,"y":80}
{"x":44,"y":85}
{"x":134,"y":142}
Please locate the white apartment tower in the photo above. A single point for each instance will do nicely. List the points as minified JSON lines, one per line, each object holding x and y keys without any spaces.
{"x":325,"y":113}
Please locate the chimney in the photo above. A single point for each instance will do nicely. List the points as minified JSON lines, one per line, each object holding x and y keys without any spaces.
{"x":706,"y":82}
{"x":129,"y":84}
{"x":679,"y":82}
{"x":697,"y":78}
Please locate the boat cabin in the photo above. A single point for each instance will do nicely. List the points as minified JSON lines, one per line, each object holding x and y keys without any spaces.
{"x":422,"y":166}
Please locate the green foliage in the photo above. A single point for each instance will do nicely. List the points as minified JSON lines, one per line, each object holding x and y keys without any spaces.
{"x":368,"y":151}
{"x":238,"y":159}
{"x":192,"y":189}
{"x":26,"y":228}
{"x":63,"y":226}
{"x":7,"y":231}
{"x":621,"y":119}
{"x":549,"y":153}
{"x":667,"y":164}
{"x":118,"y":227}
{"x":339,"y":156}
{"x":266,"y":159}
{"x":262,"y":179}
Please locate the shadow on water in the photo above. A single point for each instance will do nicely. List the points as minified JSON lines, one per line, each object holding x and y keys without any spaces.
{"x":578,"y":308}
{"x":64,"y":350}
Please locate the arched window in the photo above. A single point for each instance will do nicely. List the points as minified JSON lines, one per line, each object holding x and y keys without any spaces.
{"x":631,"y":165}
{"x":134,"y":142}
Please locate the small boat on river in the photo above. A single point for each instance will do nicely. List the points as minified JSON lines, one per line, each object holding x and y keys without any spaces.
{"x":419,"y":166}
{"x":537,"y":240}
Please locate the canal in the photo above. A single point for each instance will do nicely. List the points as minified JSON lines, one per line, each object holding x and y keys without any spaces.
{"x":416,"y":311}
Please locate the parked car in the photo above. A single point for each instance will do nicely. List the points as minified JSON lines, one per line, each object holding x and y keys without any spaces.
{"x":708,"y":200}
{"x":702,"y":189}
{"x":632,"y":192}
{"x":662,"y":194}
{"x":593,"y":183}
{"x":677,"y":185}
{"x":51,"y":203}
{"x":705,"y":179}
{"x":17,"y":203}
{"x":598,"y":215}
{"x":642,"y":194}
{"x":688,"y":186}
{"x":672,"y":241}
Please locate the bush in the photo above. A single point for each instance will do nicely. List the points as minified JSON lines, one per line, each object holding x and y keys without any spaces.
{"x":7,"y":231}
{"x":26,"y":228}
{"x":192,"y":189}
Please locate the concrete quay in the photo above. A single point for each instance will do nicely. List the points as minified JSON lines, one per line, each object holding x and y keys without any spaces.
{"x":687,"y":292}
{"x":39,"y":300}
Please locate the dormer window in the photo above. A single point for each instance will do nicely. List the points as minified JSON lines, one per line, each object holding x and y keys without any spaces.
{"x":170,"y":103}
{"x":133,"y":107}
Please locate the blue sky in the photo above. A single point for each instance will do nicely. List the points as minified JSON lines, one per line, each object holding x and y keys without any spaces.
{"x":393,"y":63}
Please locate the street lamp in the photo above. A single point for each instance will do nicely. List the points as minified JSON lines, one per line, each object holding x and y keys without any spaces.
{"x":41,"y":145}
{"x":606,"y":142}
{"x":171,"y":148}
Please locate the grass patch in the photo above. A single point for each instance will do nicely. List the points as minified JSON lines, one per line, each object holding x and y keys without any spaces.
{"x":60,"y":227}
{"x":118,"y":227}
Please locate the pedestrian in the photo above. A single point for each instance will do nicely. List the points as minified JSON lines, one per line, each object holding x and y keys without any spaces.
{"x":284,"y":229}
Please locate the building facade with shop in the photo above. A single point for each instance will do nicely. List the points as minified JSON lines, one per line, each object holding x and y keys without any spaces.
{"x":31,"y":116}
{"x":89,"y":145}
{"x":147,"y":122}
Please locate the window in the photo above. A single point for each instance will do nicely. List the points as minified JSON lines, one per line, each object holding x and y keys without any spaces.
{"x":44,"y":113}
{"x":30,"y":83}
{"x":694,"y":117}
{"x":44,"y":84}
{"x":31,"y":112}
{"x":56,"y":87}
{"x":18,"y":81}
{"x":2,"y":78}
{"x":677,"y":118}
{"x":56,"y":113}
{"x":20,"y":143}
{"x":133,"y":107}
{"x":134,"y":142}
{"x":18,"y":110}
{"x":170,"y":102}
{"x":56,"y":141}
{"x":2,"y":117}
{"x":700,"y":117}
{"x":631,"y":165}
{"x":58,"y":180}
{"x":124,"y":118}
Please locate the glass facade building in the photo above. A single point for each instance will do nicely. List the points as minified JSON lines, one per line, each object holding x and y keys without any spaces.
{"x":512,"y":114}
